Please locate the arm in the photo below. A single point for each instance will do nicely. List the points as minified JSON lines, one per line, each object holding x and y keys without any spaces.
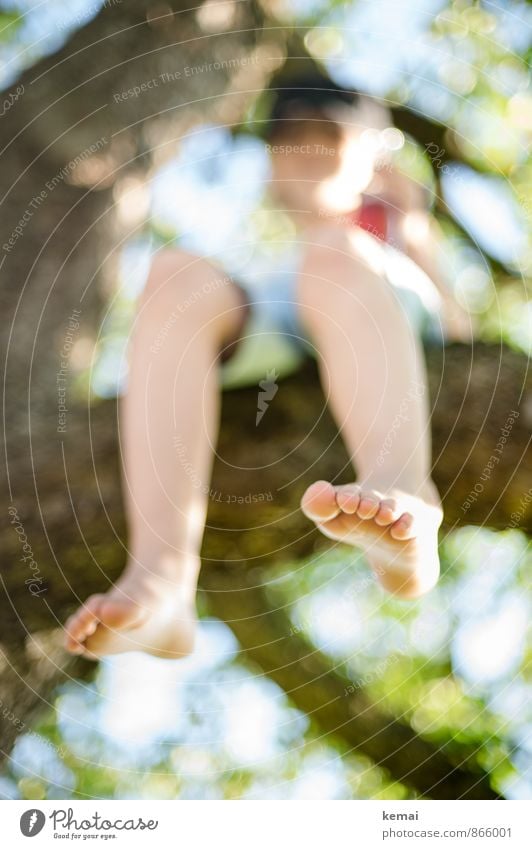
{"x":422,"y":240}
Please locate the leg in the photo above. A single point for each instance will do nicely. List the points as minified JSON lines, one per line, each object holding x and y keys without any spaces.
{"x":169,"y":425}
{"x":373,"y":375}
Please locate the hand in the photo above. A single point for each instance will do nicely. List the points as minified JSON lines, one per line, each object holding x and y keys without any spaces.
{"x":458,"y":323}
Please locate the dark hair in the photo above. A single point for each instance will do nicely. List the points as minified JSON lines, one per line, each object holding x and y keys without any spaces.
{"x":314,"y":94}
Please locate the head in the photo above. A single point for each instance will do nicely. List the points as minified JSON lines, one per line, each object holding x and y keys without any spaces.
{"x":318,"y":144}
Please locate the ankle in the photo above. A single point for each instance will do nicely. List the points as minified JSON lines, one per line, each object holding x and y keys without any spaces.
{"x":161,"y":561}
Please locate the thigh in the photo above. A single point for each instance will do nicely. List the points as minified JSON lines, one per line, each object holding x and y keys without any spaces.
{"x":365,"y":274}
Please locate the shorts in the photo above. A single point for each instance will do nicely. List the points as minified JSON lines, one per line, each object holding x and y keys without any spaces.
{"x":272,"y":339}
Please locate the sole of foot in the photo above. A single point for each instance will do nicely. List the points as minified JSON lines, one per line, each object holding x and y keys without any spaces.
{"x":135,"y":615}
{"x":397,"y":531}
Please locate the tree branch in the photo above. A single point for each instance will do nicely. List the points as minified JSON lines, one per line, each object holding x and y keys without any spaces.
{"x":308,"y":678}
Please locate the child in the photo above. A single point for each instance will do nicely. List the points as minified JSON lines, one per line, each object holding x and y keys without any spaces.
{"x":359,"y":301}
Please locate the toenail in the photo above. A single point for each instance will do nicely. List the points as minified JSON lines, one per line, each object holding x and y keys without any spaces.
{"x":346,"y":496}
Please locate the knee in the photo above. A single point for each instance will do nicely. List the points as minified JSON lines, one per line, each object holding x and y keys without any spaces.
{"x":338,"y":264}
{"x":327,"y":272}
{"x":342,"y":249}
{"x":183,"y":282}
{"x":325,"y":246}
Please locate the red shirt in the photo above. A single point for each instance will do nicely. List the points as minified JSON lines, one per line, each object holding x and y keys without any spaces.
{"x":372,"y":216}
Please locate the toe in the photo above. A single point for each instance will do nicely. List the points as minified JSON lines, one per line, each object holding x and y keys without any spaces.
{"x":71,"y":642}
{"x":337,"y":528}
{"x":319,"y":502}
{"x":71,"y":626}
{"x":87,"y":616}
{"x":403,"y":528}
{"x":369,"y":504}
{"x":75,"y":648}
{"x":82,"y":623}
{"x":74,"y":627}
{"x":387,"y":512}
{"x":348,"y":498}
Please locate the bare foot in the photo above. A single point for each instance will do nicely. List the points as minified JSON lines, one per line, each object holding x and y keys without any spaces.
{"x":142,"y":612}
{"x":398,"y":532}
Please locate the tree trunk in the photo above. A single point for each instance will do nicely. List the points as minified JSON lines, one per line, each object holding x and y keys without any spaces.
{"x":67,"y":145}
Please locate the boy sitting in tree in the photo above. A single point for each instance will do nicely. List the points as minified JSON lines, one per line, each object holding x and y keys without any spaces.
{"x":351,"y":288}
